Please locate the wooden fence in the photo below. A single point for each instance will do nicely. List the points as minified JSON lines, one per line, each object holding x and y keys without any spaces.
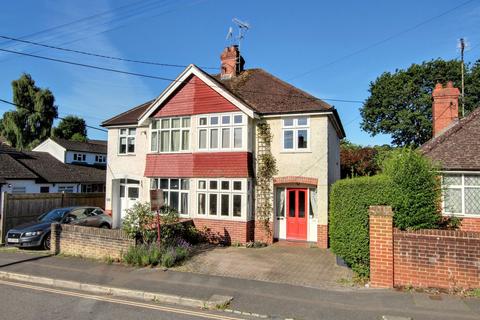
{"x":16,"y":209}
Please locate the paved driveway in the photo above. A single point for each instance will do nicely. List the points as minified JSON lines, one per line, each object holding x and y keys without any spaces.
{"x":311,"y":267}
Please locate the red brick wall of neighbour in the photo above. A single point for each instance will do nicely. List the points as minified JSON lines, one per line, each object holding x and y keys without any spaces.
{"x":470,"y":224}
{"x":425,"y":258}
{"x":226,"y":231}
{"x":322,"y":236}
{"x":192,"y":165}
{"x":194,"y":97}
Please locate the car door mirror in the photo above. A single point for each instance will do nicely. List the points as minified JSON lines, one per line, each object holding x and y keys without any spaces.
{"x":68,"y":219}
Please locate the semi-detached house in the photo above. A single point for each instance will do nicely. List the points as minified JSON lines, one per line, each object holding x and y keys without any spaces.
{"x":199,"y":143}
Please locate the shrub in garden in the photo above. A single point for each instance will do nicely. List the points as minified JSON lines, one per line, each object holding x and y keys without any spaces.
{"x":348,"y":219}
{"x":416,"y":187}
{"x":138,"y":222}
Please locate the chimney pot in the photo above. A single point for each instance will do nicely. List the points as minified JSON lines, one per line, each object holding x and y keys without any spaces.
{"x":445,"y":107}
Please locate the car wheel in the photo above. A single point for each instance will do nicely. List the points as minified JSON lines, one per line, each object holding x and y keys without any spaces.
{"x":105,"y":226}
{"x":46,"y":241}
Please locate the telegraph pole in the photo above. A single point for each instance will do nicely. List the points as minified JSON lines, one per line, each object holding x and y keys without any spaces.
{"x":462,"y":49}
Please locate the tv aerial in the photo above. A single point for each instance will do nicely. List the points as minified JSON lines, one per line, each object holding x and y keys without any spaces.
{"x":243,"y":27}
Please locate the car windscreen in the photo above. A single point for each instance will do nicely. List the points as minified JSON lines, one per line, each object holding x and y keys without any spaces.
{"x":55,"y":215}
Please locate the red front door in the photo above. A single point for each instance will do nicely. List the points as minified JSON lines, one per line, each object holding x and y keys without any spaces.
{"x":297,"y":214}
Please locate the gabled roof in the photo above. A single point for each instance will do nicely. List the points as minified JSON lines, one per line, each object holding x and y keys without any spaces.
{"x":458,"y":148}
{"x":93,"y":146}
{"x":257,"y":89}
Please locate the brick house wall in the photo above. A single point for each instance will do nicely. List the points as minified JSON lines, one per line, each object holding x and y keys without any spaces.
{"x":425,"y":258}
{"x":470,"y":224}
{"x":89,"y":242}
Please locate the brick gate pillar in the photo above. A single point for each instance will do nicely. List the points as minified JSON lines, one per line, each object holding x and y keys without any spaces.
{"x":381,"y":246}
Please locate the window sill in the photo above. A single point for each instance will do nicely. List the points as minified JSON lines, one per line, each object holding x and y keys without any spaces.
{"x":223,"y":218}
{"x":295,"y":151}
{"x":461,"y":215}
{"x":126,"y":154}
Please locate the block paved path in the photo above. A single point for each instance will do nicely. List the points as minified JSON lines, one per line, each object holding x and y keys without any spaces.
{"x":296,"y":265}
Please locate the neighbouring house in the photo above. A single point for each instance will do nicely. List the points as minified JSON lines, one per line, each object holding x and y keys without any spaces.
{"x":455,"y":146}
{"x":41,"y":172}
{"x":199,"y":143}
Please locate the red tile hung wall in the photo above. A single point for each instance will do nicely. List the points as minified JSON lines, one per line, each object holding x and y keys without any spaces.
{"x":200,"y":164}
{"x":194,"y":97}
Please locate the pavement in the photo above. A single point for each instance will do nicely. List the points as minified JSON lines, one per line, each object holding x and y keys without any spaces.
{"x":273,"y":299}
{"x":281,"y":263}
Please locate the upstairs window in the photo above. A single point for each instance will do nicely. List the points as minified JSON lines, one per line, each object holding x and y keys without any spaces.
{"x":296,"y":133}
{"x":170,"y":135}
{"x":221,"y":132}
{"x":127,"y":141}
{"x":79,"y":157}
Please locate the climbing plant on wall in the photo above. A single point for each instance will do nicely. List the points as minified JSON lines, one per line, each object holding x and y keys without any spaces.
{"x":266,"y":169}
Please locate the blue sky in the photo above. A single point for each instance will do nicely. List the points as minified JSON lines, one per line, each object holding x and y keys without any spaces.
{"x":287,"y":38}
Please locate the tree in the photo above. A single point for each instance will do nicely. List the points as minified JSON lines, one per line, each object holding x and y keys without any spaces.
{"x":71,"y":128}
{"x":32,"y":120}
{"x":357,"y":160}
{"x":400,"y":103}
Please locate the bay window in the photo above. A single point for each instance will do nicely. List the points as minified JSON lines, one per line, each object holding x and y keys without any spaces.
{"x":296,"y":133}
{"x":176,"y":192}
{"x":170,"y":135}
{"x":221,"y":132}
{"x":461,"y":194}
{"x":221,"y":198}
{"x":127,"y":141}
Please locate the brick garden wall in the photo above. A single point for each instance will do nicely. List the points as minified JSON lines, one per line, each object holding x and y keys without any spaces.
{"x":437,"y":258}
{"x":89,"y":242}
{"x":425,"y":258}
{"x":226,"y":231}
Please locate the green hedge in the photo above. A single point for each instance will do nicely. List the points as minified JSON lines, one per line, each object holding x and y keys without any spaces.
{"x":348,"y":219}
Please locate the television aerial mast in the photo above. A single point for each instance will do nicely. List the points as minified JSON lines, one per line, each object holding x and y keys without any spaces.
{"x":243,"y":27}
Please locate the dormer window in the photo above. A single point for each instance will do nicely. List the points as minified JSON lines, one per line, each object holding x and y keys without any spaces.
{"x":79,"y":157}
{"x":296,"y":134}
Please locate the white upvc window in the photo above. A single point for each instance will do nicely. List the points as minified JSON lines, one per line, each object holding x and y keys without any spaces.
{"x":100,"y":158}
{"x":221,"y":198}
{"x":296,"y":134}
{"x":221,"y":131}
{"x":170,"y":135}
{"x":17,"y":190}
{"x":126,"y":140}
{"x":176,"y":192}
{"x":461,"y":194}
{"x":66,"y":189}
{"x":79,"y":157}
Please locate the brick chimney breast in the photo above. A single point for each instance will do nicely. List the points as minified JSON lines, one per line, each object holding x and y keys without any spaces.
{"x":232,"y":62}
{"x":445,"y":107}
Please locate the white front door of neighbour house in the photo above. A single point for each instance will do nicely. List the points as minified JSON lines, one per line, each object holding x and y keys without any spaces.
{"x":129,"y":194}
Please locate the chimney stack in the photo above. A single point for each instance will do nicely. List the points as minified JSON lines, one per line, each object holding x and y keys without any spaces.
{"x":232,"y":62}
{"x":445,"y":107}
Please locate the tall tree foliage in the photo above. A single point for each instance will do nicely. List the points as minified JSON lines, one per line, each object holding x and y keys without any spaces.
{"x":32,"y":120}
{"x":71,"y":128}
{"x":400,"y":103}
